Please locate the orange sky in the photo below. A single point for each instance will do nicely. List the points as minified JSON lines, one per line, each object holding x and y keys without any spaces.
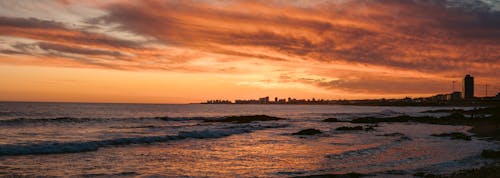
{"x":191,"y":51}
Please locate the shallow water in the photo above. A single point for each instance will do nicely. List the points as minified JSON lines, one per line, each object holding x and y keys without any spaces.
{"x":70,"y":139}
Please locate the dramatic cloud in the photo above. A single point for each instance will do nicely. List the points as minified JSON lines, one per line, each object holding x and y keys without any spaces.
{"x":51,"y":31}
{"x":76,"y":50}
{"x":380,"y":85}
{"x":378,"y":46}
{"x":411,"y":35}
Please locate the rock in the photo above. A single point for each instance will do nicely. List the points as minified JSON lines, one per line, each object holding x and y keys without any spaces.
{"x":308,"y":132}
{"x":370,"y":128}
{"x":331,"y":120}
{"x":395,"y":134}
{"x":349,"y":128}
{"x":490,"y":154}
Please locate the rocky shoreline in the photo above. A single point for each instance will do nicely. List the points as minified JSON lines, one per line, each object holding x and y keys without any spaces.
{"x":485,"y":123}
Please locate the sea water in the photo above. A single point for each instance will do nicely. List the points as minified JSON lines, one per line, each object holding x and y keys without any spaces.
{"x":88,"y":139}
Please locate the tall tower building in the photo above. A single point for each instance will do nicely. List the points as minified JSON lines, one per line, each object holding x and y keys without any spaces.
{"x":468,"y":88}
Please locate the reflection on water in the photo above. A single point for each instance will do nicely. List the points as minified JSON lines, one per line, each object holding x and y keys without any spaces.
{"x":187,"y":146}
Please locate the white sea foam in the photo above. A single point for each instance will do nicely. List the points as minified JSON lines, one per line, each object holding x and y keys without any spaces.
{"x":84,"y":146}
{"x":74,"y":147}
{"x":84,"y":120}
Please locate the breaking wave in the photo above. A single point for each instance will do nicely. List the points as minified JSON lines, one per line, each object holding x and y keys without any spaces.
{"x":75,"y":147}
{"x":236,"y":119}
{"x":85,"y":146}
{"x":83,"y":120}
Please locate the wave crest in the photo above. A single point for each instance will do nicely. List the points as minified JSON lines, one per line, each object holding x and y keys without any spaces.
{"x":84,"y":146}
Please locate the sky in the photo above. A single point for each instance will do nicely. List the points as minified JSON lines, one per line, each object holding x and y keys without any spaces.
{"x":152,"y":51}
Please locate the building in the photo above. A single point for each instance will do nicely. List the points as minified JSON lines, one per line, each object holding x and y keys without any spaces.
{"x":264,"y":100}
{"x":468,"y":87}
{"x":455,"y":96}
{"x":218,"y":102}
{"x":439,"y":98}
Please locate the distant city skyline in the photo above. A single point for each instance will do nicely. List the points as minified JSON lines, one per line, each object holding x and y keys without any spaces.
{"x":454,"y":97}
{"x":170,"y":51}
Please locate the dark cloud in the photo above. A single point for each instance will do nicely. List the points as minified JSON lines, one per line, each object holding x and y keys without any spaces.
{"x":77,"y":50}
{"x":83,"y":56}
{"x":387,"y":85}
{"x":421,"y":35}
{"x":8,"y":51}
{"x":51,"y":31}
{"x":473,"y":5}
{"x":379,"y":84}
{"x":50,"y":48}
{"x":29,"y":23}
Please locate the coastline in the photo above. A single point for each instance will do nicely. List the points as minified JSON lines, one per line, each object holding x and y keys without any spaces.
{"x":486,"y":127}
{"x":236,"y":125}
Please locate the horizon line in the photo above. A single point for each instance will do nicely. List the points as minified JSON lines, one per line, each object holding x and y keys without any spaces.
{"x":90,"y":102}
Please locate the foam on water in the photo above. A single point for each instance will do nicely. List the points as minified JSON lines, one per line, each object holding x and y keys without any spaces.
{"x":75,"y":147}
{"x":183,"y":144}
{"x":83,"y":120}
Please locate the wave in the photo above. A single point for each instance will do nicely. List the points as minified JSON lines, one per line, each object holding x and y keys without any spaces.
{"x":383,"y":113}
{"x":9,"y":113}
{"x":369,"y":150}
{"x":227,"y":131}
{"x":75,"y":147}
{"x":236,"y":119}
{"x":83,"y":120}
{"x":85,"y":146}
{"x":207,"y":133}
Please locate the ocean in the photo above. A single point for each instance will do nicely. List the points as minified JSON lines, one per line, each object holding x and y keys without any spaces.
{"x":167,"y":140}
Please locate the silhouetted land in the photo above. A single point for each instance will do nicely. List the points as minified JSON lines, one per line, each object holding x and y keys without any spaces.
{"x":484,"y":172}
{"x":429,"y":101}
{"x":492,"y":154}
{"x":485,"y":123}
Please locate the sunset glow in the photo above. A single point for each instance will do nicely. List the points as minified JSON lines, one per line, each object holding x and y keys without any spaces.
{"x":191,"y":51}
